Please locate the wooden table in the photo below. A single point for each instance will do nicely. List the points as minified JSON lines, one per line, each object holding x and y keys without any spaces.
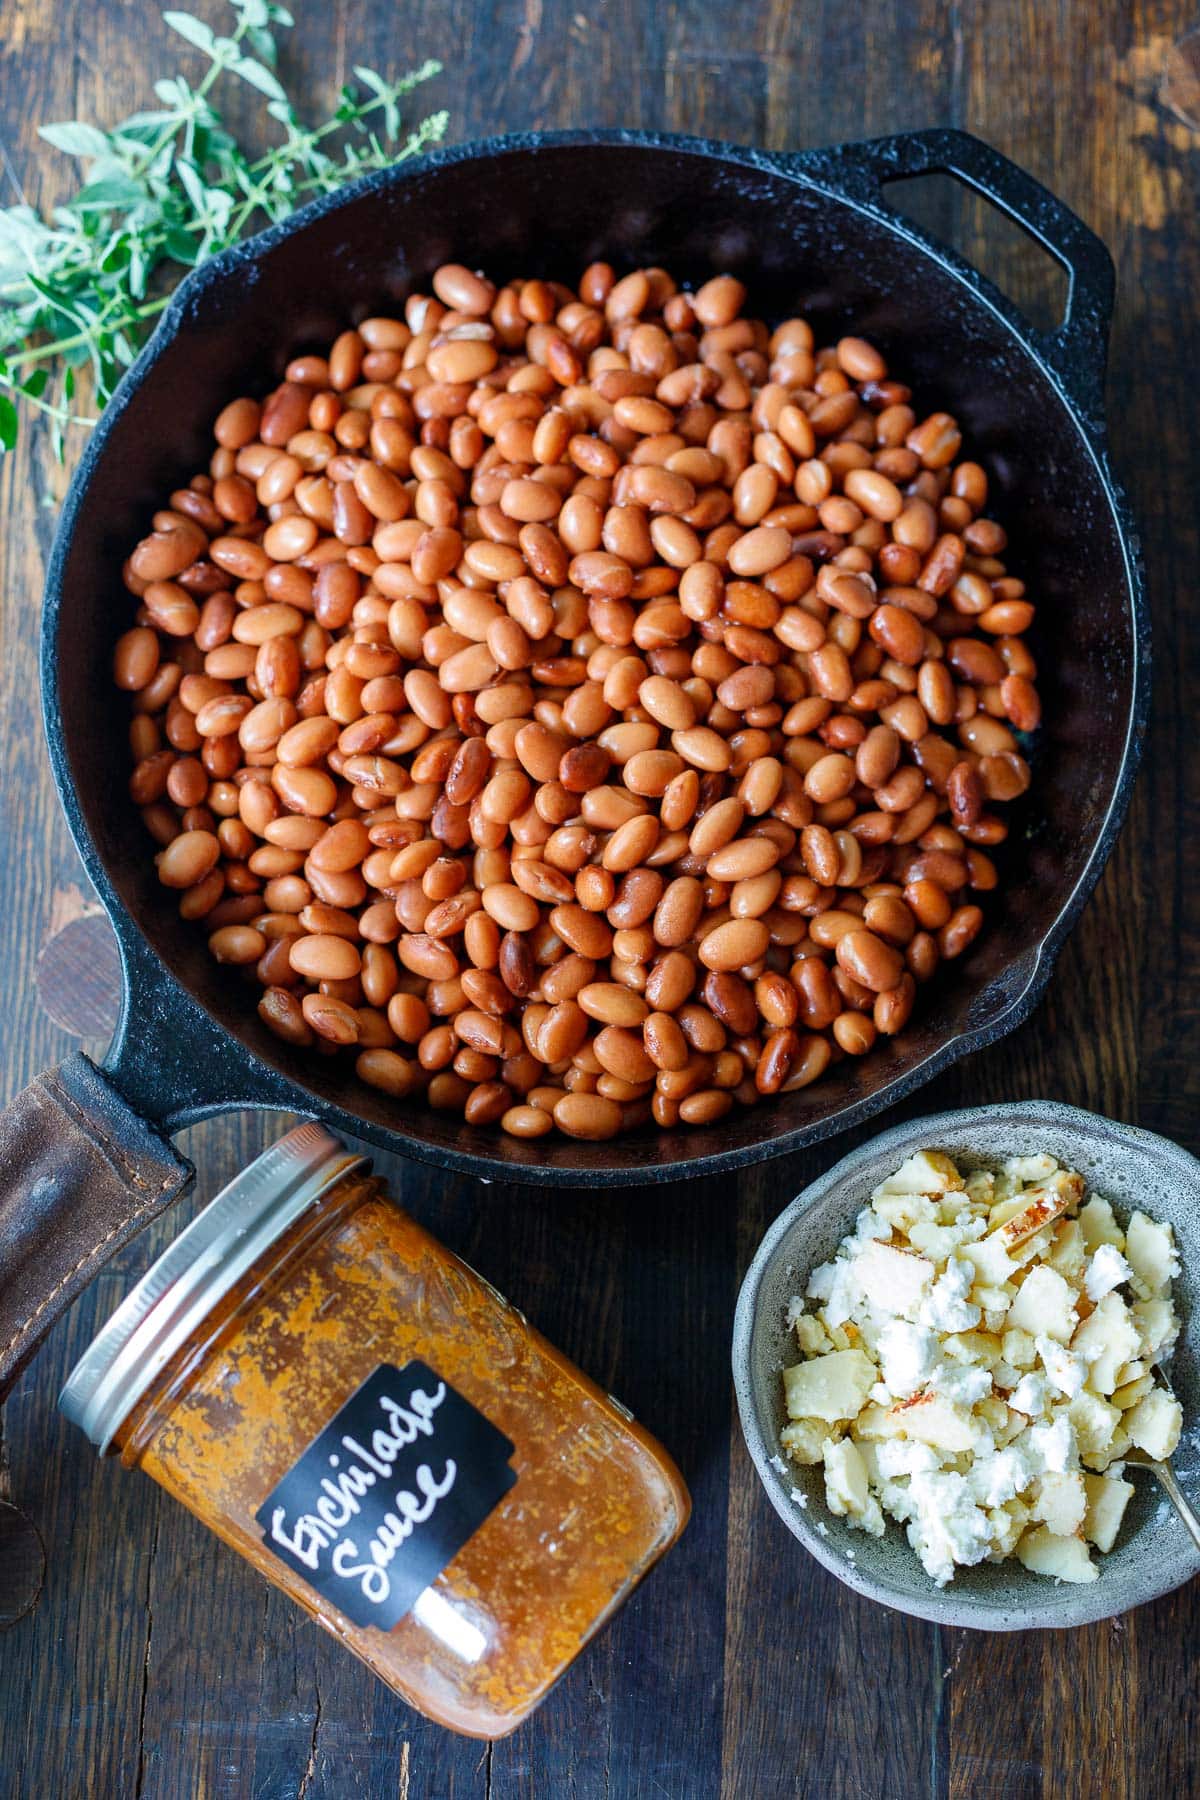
{"x":156,"y":1664}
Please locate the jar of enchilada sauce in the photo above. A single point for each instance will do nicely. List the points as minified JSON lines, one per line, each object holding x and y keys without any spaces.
{"x":382,"y":1435}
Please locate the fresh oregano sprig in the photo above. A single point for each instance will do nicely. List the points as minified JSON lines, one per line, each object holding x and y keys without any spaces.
{"x":162,"y":191}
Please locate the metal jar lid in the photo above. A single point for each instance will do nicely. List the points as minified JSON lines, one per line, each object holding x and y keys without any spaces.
{"x":206,"y":1260}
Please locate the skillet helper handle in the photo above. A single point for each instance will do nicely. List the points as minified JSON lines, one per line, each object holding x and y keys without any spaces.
{"x":1077,"y":349}
{"x":80,"y":1174}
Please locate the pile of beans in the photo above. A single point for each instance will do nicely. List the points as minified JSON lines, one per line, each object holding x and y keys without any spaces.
{"x":582,"y":707}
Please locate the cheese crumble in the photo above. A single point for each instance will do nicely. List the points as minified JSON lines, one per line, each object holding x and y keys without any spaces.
{"x":976,"y":1360}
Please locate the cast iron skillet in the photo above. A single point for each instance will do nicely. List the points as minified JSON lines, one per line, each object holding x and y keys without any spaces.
{"x":808,"y":231}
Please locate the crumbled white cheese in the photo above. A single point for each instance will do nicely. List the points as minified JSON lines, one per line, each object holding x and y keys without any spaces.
{"x":897,"y":1457}
{"x":1099,"y":1225}
{"x":1106,"y":1340}
{"x":969,"y":1368}
{"x":804,"y":1439}
{"x":963,"y":1386}
{"x":1150,"y":1248}
{"x":1029,"y":1395}
{"x":924,"y":1172}
{"x":932,"y":1419}
{"x":947,"y":1527}
{"x":830,"y":1387}
{"x":1063,"y":1558}
{"x":895,"y":1281}
{"x":1038,"y":1208}
{"x":1052,"y":1447}
{"x":1064,"y":1371}
{"x":1107,"y":1270}
{"x":811,"y":1335}
{"x":1133,"y":1384}
{"x":1067,"y":1252}
{"x":1061,"y":1501}
{"x":847,"y":1492}
{"x":947,"y":1307}
{"x":1094,"y":1422}
{"x":1157,"y":1326}
{"x":900,"y":1212}
{"x":908,"y":1356}
{"x":981,"y":1188}
{"x":937,"y":1242}
{"x":1019,"y":1349}
{"x":1044,"y":1305}
{"x":1031,"y":1169}
{"x":836,"y":1284}
{"x":1107,"y":1498}
{"x":993,"y":1264}
{"x":1001,"y":1476}
{"x":1155,"y":1423}
{"x":820,"y":1284}
{"x":869,"y":1226}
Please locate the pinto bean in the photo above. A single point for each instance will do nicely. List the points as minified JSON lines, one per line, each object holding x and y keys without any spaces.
{"x":530,"y":678}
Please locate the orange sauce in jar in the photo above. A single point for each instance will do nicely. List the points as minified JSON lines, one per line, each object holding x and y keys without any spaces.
{"x":581,"y":1500}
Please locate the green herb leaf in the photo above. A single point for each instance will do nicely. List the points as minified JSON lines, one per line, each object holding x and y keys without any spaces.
{"x":118,"y":190}
{"x":8,"y":423}
{"x":193,"y":29}
{"x":173,"y":93}
{"x":75,"y":138}
{"x":258,"y":76}
{"x":192,"y":183}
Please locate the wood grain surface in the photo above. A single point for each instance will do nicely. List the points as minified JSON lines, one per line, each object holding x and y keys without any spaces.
{"x":156,"y":1664}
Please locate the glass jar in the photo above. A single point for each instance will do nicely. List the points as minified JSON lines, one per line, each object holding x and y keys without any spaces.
{"x":382,"y":1435}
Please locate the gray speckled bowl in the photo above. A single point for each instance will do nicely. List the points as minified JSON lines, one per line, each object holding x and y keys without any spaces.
{"x":1153,"y":1553}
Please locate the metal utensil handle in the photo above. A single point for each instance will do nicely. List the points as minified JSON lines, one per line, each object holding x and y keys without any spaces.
{"x":1178,"y":1498}
{"x":1076,"y":349}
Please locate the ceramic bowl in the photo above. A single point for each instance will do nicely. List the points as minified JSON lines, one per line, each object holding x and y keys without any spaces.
{"x":1153,"y":1553}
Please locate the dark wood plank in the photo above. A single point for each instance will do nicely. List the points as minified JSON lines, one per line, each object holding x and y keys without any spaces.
{"x":1116,"y":995}
{"x":155,"y":1663}
{"x":80,"y":1731}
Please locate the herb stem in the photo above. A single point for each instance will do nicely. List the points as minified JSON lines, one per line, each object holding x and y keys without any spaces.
{"x":42,"y":352}
{"x":54,"y":408}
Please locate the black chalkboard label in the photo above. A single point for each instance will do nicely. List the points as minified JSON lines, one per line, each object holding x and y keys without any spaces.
{"x":388,"y":1493}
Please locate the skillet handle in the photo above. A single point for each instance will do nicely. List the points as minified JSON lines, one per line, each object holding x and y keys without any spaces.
{"x":80,"y":1174}
{"x":1077,"y":349}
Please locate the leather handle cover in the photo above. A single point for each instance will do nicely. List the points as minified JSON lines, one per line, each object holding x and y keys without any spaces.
{"x":80,"y":1174}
